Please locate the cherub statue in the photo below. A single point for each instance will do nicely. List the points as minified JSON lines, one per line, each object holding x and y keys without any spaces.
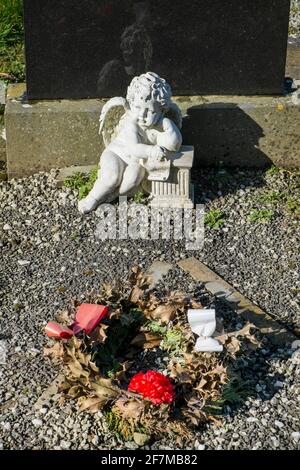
{"x":146,"y":133}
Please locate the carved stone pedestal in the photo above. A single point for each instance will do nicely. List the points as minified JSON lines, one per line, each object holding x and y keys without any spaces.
{"x":176,"y":192}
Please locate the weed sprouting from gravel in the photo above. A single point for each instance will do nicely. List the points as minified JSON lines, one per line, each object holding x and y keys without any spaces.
{"x":214,"y":219}
{"x":262,"y":216}
{"x":81,"y":182}
{"x":271,"y":197}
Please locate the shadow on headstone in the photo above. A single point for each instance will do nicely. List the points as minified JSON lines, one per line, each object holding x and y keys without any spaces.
{"x":223,"y":134}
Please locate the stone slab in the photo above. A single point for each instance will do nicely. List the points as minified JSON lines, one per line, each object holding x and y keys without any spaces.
{"x":2,"y":95}
{"x":275,"y":332}
{"x":93,"y":48}
{"x":50,"y":134}
{"x":233,"y":131}
{"x":242,"y":131}
{"x":293,"y":59}
{"x":2,"y":140}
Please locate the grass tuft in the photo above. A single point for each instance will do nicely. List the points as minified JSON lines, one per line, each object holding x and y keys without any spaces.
{"x":81,"y":182}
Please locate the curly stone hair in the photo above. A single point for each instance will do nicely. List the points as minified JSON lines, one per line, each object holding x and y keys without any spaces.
{"x":150,"y":87}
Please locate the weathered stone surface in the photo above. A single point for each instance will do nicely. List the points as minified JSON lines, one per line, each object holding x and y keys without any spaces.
{"x":2,"y":140}
{"x":93,"y":48}
{"x":237,"y":131}
{"x":293,"y":59}
{"x":2,"y":96}
{"x":242,"y":131}
{"x":276,"y":333}
{"x":45,"y":135}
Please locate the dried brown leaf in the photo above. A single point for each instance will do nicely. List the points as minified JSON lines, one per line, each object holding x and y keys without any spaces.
{"x":104,"y":389}
{"x":64,"y":317}
{"x":75,"y":391}
{"x":136,"y":294}
{"x":91,"y":404}
{"x":56,"y":351}
{"x":164,"y":313}
{"x":130,"y":408}
{"x":77,"y":371}
{"x":98,"y":335}
{"x":146,"y":341}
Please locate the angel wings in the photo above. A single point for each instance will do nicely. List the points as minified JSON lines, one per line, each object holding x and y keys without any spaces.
{"x":115,"y":109}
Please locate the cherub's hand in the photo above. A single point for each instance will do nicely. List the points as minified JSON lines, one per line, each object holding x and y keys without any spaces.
{"x":158,"y":153}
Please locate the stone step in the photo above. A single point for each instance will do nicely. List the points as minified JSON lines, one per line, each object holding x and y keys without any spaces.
{"x":236,"y":131}
{"x":267,"y":325}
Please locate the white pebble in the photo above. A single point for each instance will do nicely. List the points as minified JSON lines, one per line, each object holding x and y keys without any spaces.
{"x":65,"y":444}
{"x":6,"y":426}
{"x":296,"y":344}
{"x":7,"y":227}
{"x":278,"y":384}
{"x":37,"y":422}
{"x":252,"y":420}
{"x":23,"y":262}
{"x":279,"y":424}
{"x":295,"y":436}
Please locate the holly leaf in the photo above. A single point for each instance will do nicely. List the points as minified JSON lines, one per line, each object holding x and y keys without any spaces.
{"x":56,"y":351}
{"x":91,"y":404}
{"x":146,"y":341}
{"x":130,"y":408}
{"x":164,"y":313}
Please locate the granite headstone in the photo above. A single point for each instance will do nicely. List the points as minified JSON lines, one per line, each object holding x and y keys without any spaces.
{"x":93,"y":48}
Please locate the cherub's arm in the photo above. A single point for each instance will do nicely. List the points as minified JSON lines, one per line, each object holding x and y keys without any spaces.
{"x":170,"y":138}
{"x":134,"y":147}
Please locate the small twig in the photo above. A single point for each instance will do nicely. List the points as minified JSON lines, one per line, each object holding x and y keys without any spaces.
{"x":8,"y":76}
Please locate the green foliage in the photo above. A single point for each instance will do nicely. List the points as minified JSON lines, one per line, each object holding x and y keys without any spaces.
{"x":173,"y":340}
{"x":235,"y":391}
{"x":271,"y":197}
{"x":11,"y":22}
{"x":81,"y":182}
{"x":115,"y":367}
{"x":122,"y":428}
{"x":120,"y":333}
{"x":214,"y":218}
{"x":74,"y":236}
{"x":223,"y":176}
{"x":262,"y":216}
{"x":156,"y":328}
{"x":293,"y":206}
{"x":274,"y":170}
{"x":117,"y":425}
{"x":11,"y":39}
{"x":138,"y":197}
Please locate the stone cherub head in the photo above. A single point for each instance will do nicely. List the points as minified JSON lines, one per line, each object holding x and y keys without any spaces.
{"x":139,"y":133}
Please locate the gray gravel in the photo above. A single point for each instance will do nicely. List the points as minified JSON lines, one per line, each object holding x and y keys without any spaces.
{"x":50,"y":255}
{"x":294,"y":30}
{"x":261,"y":260}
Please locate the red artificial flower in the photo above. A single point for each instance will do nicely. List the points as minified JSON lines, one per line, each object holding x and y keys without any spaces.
{"x":153,"y":385}
{"x":54,"y":330}
{"x":87,"y":318}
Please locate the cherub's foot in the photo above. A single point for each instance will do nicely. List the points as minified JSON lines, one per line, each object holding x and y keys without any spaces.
{"x":87,"y":205}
